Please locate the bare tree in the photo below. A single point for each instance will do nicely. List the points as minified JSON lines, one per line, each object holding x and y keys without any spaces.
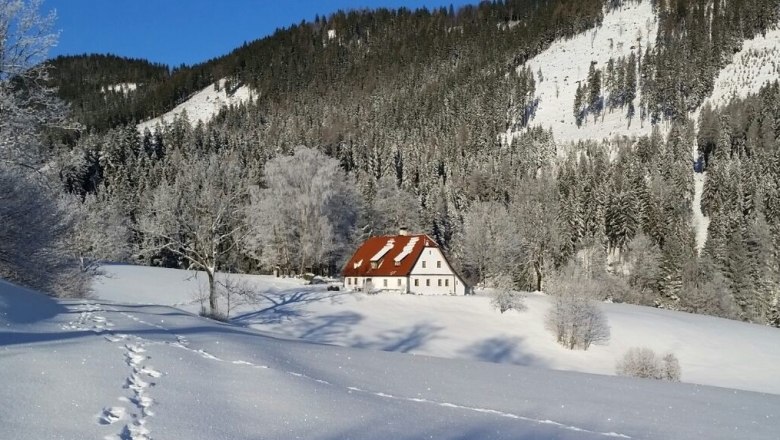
{"x":575,"y":317}
{"x":199,"y":216}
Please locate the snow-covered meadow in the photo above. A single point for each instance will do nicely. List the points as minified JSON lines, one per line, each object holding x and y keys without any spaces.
{"x":76,"y":369}
{"x":712,"y":351}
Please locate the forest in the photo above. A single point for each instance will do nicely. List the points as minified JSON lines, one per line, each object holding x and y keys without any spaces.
{"x":398,"y":121}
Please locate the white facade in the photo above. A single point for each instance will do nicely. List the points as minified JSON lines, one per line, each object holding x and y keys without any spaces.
{"x":431,"y":275}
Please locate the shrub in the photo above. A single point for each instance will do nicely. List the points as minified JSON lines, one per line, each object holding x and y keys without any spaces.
{"x":504,"y":298}
{"x":575,"y":318}
{"x":643,"y":362}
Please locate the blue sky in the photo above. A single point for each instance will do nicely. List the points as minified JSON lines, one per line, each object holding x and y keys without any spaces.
{"x":189,"y":31}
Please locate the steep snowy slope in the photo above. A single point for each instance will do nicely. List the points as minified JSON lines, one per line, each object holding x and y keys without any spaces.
{"x":711,"y":351}
{"x":752,"y":67}
{"x":96,"y":369}
{"x":566,"y":62}
{"x":203,"y":105}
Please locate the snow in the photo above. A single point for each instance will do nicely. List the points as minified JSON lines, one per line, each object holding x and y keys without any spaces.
{"x":124,"y":88}
{"x":712,"y":351}
{"x":203,"y":105}
{"x":77,"y":369}
{"x":566,"y":62}
{"x":757,"y":64}
{"x":700,"y":222}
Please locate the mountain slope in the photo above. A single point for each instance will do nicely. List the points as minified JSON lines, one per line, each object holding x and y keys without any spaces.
{"x":203,"y":105}
{"x":116,"y":371}
{"x":630,"y":28}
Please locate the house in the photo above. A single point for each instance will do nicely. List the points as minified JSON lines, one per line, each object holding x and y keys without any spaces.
{"x":404,"y":263}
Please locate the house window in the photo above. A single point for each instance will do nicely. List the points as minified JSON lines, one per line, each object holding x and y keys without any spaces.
{"x":423,"y":264}
{"x":438,"y":265}
{"x":447,"y":282}
{"x":349,"y":281}
{"x":374,"y":264}
{"x":439,"y":282}
{"x":384,"y":282}
{"x":399,"y":282}
{"x":416,"y":282}
{"x":428,"y":282}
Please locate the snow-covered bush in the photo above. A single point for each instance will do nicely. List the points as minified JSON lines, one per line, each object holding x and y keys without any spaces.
{"x":504,"y":298}
{"x":643,"y":362}
{"x":575,"y":318}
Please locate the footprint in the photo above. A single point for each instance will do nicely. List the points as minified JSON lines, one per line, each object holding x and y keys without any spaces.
{"x":133,"y":359}
{"x":135,"y":348}
{"x":111,"y":415}
{"x":150,"y":372}
{"x":136,"y":384}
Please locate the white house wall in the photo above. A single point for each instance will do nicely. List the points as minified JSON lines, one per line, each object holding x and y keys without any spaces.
{"x":434,"y":275}
{"x":431,"y":275}
{"x":377,"y":283}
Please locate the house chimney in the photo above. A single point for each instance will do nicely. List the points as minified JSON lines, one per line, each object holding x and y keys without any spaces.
{"x":403,"y":231}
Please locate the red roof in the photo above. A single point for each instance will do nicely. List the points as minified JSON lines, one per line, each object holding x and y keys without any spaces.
{"x":406,"y":249}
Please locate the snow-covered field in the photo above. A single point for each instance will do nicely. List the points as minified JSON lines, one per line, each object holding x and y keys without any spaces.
{"x":711,"y":351}
{"x":566,"y":62}
{"x":99,"y":369}
{"x":202,"y":106}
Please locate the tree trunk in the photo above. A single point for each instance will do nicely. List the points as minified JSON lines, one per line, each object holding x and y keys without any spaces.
{"x":538,"y":269}
{"x":212,"y":293}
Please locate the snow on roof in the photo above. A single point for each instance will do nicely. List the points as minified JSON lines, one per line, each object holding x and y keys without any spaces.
{"x":403,"y":249}
{"x":378,"y":256}
{"x":406,"y":250}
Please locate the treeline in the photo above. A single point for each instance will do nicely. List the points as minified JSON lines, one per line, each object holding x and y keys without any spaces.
{"x":412,"y":106}
{"x":369,"y":48}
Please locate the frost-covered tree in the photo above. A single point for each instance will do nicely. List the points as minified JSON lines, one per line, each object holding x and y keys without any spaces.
{"x":26,"y":102}
{"x":100,"y":232}
{"x":488,"y":248}
{"x":33,"y":227}
{"x":392,"y":208}
{"x":33,"y":238}
{"x":199,"y":216}
{"x":304,"y":215}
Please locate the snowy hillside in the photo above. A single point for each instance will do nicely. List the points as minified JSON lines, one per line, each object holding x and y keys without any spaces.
{"x":95,"y":369}
{"x":203,"y":105}
{"x":566,"y":62}
{"x":711,"y":351}
{"x":752,"y":67}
